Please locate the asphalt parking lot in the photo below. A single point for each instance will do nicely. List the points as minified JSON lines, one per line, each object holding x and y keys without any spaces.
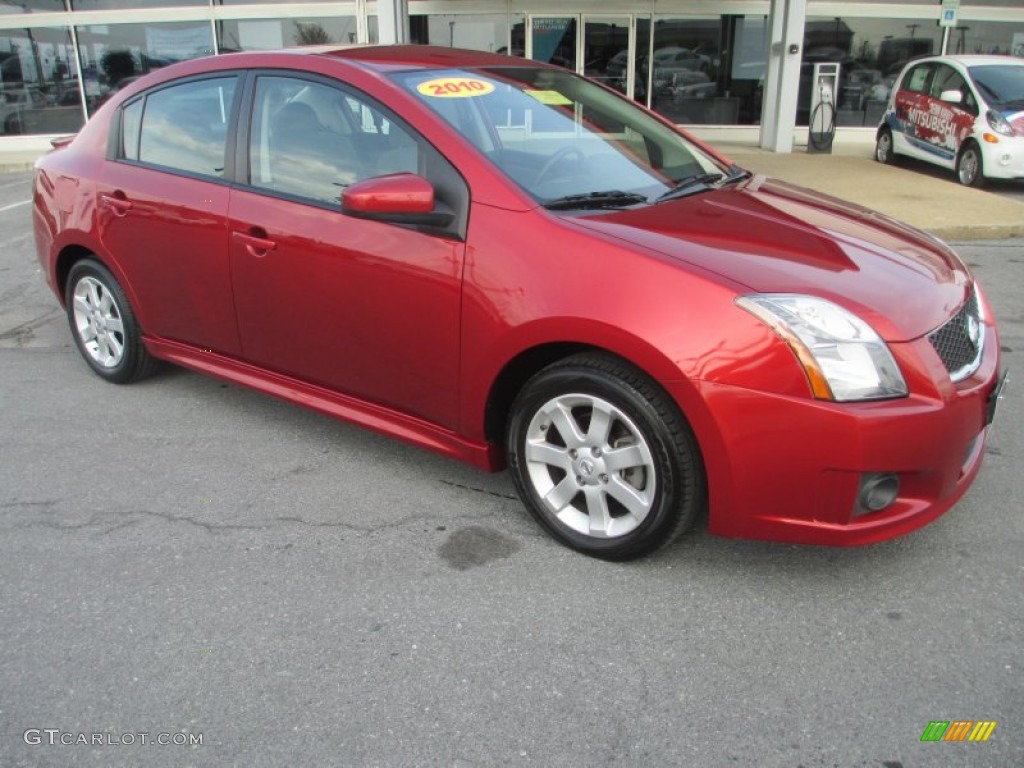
{"x":183,"y":558}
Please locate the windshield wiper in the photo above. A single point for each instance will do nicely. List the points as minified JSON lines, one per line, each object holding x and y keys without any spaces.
{"x":702,"y":182}
{"x":736,"y":173}
{"x":609,"y":198}
{"x":689,"y":185}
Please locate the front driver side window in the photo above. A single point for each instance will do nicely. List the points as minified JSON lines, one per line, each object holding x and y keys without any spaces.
{"x":312,"y":140}
{"x":948,"y":79}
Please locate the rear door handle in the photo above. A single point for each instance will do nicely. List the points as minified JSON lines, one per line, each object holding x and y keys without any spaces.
{"x":117,"y":203}
{"x":255,"y":245}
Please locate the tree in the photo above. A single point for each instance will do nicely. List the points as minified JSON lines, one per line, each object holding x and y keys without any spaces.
{"x":311,"y":33}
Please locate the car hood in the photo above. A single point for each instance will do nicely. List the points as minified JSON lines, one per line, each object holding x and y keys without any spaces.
{"x":769,"y":236}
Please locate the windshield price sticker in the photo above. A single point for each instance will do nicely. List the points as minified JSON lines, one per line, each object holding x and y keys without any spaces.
{"x":455,"y":88}
{"x":552,"y":98}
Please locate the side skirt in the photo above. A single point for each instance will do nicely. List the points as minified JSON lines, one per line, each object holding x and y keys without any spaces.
{"x":369,"y":415}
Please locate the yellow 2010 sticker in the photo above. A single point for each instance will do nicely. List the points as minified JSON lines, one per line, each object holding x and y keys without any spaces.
{"x":455,"y":88}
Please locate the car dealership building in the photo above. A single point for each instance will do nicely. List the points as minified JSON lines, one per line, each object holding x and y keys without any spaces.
{"x":737,"y":70}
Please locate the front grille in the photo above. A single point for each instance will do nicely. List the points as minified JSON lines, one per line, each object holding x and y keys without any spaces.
{"x":959,"y":342}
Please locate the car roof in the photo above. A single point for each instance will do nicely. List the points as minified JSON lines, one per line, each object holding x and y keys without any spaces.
{"x":381,"y":57}
{"x":973,"y":60}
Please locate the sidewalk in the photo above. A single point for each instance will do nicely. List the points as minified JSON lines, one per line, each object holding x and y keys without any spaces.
{"x":929,"y":198}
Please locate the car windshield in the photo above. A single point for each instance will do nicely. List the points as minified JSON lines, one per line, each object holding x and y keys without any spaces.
{"x":1001,"y":84}
{"x":568,"y":142}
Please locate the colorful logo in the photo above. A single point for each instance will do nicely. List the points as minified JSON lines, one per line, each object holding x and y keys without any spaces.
{"x":958,"y":730}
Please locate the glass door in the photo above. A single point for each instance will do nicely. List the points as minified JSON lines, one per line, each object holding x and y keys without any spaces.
{"x":598,"y":46}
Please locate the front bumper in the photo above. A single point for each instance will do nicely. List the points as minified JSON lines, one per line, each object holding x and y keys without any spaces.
{"x":1003,"y":160}
{"x":790,"y":469}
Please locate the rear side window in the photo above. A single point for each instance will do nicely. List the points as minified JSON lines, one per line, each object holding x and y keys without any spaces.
{"x":183,"y":127}
{"x":131,"y":122}
{"x":917,"y":79}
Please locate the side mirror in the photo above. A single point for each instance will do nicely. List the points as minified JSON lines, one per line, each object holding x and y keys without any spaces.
{"x":951,"y":97}
{"x":399,"y":198}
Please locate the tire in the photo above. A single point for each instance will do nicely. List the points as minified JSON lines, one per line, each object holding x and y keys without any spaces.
{"x":883,"y":147}
{"x":969,"y":169}
{"x":617,"y":488}
{"x":821,"y":127}
{"x":104,"y":326}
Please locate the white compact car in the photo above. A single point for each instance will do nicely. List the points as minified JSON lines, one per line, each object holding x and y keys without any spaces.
{"x":965,"y":113}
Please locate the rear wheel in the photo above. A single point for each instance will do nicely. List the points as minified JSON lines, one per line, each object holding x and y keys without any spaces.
{"x":603,"y":459}
{"x":969,"y":169}
{"x":104,"y":326}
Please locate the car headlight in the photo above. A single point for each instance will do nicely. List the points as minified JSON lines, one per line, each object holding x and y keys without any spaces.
{"x":999,"y":123}
{"x":842,"y":355}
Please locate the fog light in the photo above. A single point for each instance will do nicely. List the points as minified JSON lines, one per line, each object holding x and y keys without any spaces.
{"x":1005,"y":159}
{"x":877,"y":491}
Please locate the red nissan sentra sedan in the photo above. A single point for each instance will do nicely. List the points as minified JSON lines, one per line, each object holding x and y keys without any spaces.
{"x":512,"y":265}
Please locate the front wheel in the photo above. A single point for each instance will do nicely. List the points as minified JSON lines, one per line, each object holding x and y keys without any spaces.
{"x":603,"y":459}
{"x":969,"y":169}
{"x":104,"y":326}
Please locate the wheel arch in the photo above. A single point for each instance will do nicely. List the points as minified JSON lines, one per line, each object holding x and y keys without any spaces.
{"x":72,"y":247}
{"x":68,"y":256}
{"x":527,"y":362}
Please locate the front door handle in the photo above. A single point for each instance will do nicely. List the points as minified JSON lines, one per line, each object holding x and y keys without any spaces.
{"x":256,"y":246}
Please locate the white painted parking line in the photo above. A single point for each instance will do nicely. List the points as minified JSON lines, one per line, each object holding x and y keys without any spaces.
{"x":14,"y":205}
{"x":22,"y":183}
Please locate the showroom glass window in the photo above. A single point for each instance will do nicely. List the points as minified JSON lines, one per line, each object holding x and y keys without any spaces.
{"x":30,"y":6}
{"x":267,"y":34}
{"x":111,"y":5}
{"x":991,"y":37}
{"x":707,"y":70}
{"x":115,"y":55}
{"x":483,"y":32}
{"x":183,"y":127}
{"x":872,"y":51}
{"x":39,"y":90}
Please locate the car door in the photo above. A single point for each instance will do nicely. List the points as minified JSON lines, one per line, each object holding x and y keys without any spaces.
{"x":953,"y":109}
{"x":910,"y":107}
{"x":366,"y":308}
{"x":162,"y":210}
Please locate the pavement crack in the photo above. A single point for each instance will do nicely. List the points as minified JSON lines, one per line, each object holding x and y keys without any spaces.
{"x":23,"y":332}
{"x":480,"y":490}
{"x":400,"y":522}
{"x":111,"y":521}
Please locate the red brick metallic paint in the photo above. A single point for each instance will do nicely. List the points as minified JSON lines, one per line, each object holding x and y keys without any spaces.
{"x":395,"y":193}
{"x":407,"y":334}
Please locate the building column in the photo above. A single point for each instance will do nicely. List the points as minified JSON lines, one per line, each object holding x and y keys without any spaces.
{"x":393,"y":21}
{"x":786,"y":36}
